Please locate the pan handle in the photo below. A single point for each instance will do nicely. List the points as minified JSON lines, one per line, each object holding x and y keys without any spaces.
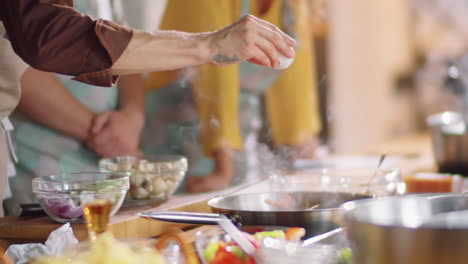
{"x":184,"y":217}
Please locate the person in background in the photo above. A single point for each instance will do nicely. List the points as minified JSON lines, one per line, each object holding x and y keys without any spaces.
{"x":71,"y":126}
{"x":212,"y":115}
{"x":52,"y":36}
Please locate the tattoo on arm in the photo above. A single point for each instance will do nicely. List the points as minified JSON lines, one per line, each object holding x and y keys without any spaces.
{"x":220,"y":58}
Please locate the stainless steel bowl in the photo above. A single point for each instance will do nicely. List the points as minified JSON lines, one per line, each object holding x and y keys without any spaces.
{"x":391,"y":230}
{"x":450,"y":142}
{"x":435,"y":123}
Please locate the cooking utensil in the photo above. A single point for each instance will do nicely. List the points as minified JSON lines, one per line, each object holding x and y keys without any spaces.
{"x":237,"y":235}
{"x":321,"y":237}
{"x":28,"y":210}
{"x":251,"y":209}
{"x":381,"y":160}
{"x":453,"y":219}
{"x":449,"y":142}
{"x":185,"y":217}
{"x":454,"y":82}
{"x":315,"y":206}
{"x":388,"y":230}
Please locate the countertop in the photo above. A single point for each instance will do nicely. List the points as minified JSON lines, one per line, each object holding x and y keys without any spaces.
{"x":416,"y":151}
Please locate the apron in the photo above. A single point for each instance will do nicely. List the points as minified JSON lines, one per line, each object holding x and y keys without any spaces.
{"x":43,"y":151}
{"x":11,"y":69}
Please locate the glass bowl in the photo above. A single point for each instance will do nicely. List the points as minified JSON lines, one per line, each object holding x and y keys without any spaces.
{"x":377,"y":182}
{"x":62,"y":196}
{"x":152,"y":178}
{"x":272,"y":250}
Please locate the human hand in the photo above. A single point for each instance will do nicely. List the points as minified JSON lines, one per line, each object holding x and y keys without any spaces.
{"x":251,"y":39}
{"x":219,"y":179}
{"x":115,"y":133}
{"x":208,"y":183}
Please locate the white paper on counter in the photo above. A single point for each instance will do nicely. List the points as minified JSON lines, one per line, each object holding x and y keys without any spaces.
{"x":58,"y":241}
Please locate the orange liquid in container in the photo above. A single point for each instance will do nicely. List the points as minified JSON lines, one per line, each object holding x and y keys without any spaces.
{"x":96,"y":214}
{"x":433,"y":183}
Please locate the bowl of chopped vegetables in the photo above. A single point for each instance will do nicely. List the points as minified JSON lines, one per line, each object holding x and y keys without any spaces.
{"x":214,"y":246}
{"x":152,"y":178}
{"x":62,"y":196}
{"x":273,"y":245}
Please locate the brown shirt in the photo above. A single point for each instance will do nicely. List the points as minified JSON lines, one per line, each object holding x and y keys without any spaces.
{"x":51,"y":36}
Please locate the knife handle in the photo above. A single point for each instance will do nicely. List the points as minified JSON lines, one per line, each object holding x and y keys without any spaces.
{"x":27,"y":210}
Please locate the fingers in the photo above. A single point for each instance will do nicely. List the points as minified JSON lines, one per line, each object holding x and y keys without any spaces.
{"x":276,"y":42}
{"x":109,"y":143}
{"x":269,"y":50}
{"x":99,"y":122}
{"x":268,"y":39}
{"x":104,"y":148}
{"x":274,"y":29}
{"x":113,"y":134}
{"x":260,"y":57}
{"x":104,"y":141}
{"x":91,"y":144}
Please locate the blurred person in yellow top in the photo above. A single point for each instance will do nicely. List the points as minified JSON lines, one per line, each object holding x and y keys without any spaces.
{"x":205,"y":113}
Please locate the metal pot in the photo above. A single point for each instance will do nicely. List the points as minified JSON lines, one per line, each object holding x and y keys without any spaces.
{"x":392,"y":230}
{"x":291,"y":209}
{"x":450,"y":142}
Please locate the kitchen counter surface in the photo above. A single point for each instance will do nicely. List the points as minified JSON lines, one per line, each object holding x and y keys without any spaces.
{"x":415,"y":150}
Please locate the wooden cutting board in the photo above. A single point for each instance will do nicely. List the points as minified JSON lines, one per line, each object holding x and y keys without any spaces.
{"x":125,"y":224}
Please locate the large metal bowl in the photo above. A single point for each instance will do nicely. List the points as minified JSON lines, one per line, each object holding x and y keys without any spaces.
{"x":391,"y":230}
{"x":293,"y":209}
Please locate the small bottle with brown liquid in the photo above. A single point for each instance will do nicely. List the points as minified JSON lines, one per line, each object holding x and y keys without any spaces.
{"x":96,"y":214}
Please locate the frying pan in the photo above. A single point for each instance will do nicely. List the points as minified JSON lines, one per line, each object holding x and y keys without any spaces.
{"x":317,"y":212}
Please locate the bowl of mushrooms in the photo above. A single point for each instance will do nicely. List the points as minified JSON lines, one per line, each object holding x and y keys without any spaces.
{"x":152,"y":178}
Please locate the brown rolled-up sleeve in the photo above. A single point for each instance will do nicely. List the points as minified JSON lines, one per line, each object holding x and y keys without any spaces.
{"x":52,"y":36}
